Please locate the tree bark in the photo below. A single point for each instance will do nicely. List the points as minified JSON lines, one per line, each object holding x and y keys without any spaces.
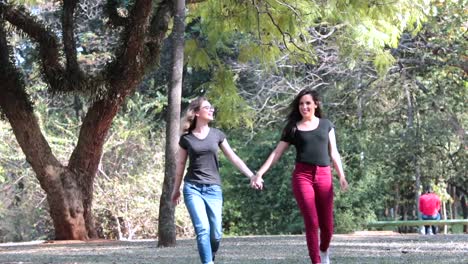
{"x":124,"y":76}
{"x":166,"y":224}
{"x":60,"y":185}
{"x":454,"y":211}
{"x":464,"y":207}
{"x":397,"y":203}
{"x":70,"y":189}
{"x":85,"y":158}
{"x":444,"y":215}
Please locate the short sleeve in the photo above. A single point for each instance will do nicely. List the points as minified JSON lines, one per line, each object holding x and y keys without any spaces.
{"x":183,"y":142}
{"x":221,"y":136}
{"x":288,"y":135}
{"x":330,"y":125}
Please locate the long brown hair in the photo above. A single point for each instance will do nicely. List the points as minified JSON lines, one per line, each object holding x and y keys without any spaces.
{"x":295,"y":116}
{"x":190,"y":119}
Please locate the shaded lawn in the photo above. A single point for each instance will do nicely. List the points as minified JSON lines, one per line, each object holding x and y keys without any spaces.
{"x":366,"y":247}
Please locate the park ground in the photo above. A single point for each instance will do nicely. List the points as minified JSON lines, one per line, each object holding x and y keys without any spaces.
{"x":361,"y":247}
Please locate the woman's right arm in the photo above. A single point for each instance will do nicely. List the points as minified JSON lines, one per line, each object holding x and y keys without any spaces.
{"x":272,"y":159}
{"x":180,"y":167}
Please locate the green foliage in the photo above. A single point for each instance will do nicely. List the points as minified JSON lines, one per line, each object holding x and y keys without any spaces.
{"x":383,"y":61}
{"x":272,"y":28}
{"x":23,"y":212}
{"x":27,"y":2}
{"x":2,"y":175}
{"x":380,"y":150}
{"x":128,"y":186}
{"x":232,"y":110}
{"x":247,"y":211}
{"x":196,"y":56}
{"x":130,"y":183}
{"x":441,"y":190}
{"x":264,"y":31}
{"x":441,"y":94}
{"x":274,"y":210}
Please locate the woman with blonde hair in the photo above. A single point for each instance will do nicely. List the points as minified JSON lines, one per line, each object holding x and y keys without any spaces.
{"x":203,"y":196}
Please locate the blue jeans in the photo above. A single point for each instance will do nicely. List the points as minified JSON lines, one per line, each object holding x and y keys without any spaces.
{"x":430,"y":217}
{"x":205,"y":203}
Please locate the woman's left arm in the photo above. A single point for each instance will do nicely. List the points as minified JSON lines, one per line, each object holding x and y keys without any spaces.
{"x":335,"y":156}
{"x":234,"y":159}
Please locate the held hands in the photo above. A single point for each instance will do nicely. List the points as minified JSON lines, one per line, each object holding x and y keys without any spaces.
{"x":256,"y":182}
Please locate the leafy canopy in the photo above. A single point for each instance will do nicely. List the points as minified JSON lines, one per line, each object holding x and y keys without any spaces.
{"x":263,"y":31}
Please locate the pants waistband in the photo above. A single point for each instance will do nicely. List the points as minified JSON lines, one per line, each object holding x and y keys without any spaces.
{"x":201,"y":184}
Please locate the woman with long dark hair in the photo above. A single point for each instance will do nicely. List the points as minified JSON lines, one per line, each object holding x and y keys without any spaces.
{"x":314,"y":139}
{"x":203,"y":196}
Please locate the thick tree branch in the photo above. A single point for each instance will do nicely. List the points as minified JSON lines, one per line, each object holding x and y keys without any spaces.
{"x":16,"y":106}
{"x":69,"y":41}
{"x":48,"y":45}
{"x":126,"y":71}
{"x":125,"y":74}
{"x":158,"y":28}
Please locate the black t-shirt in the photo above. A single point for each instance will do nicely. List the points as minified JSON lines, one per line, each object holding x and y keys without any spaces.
{"x":311,"y":146}
{"x":203,"y":157}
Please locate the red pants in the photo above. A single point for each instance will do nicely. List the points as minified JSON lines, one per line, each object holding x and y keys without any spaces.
{"x":313,"y":189}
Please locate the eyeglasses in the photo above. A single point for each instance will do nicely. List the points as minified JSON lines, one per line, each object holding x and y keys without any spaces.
{"x":208,"y":107}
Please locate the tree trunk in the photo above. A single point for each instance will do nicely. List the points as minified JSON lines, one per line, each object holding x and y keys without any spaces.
{"x":455,"y":203}
{"x":444,"y":215}
{"x":66,"y":205}
{"x":412,"y":138}
{"x":86,"y":156}
{"x":70,"y":189}
{"x":397,"y":203}
{"x":63,"y":195}
{"x":464,"y":202}
{"x":404,"y":229}
{"x":417,"y":185}
{"x":166,"y":224}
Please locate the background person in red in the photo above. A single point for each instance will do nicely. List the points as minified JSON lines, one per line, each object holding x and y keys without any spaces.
{"x":429,"y":206}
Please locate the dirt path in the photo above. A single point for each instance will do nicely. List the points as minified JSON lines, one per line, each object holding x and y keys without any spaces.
{"x":357,"y":248}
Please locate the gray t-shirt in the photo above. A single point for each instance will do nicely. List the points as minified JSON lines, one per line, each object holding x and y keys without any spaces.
{"x":311,"y":146}
{"x":203,"y":157}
